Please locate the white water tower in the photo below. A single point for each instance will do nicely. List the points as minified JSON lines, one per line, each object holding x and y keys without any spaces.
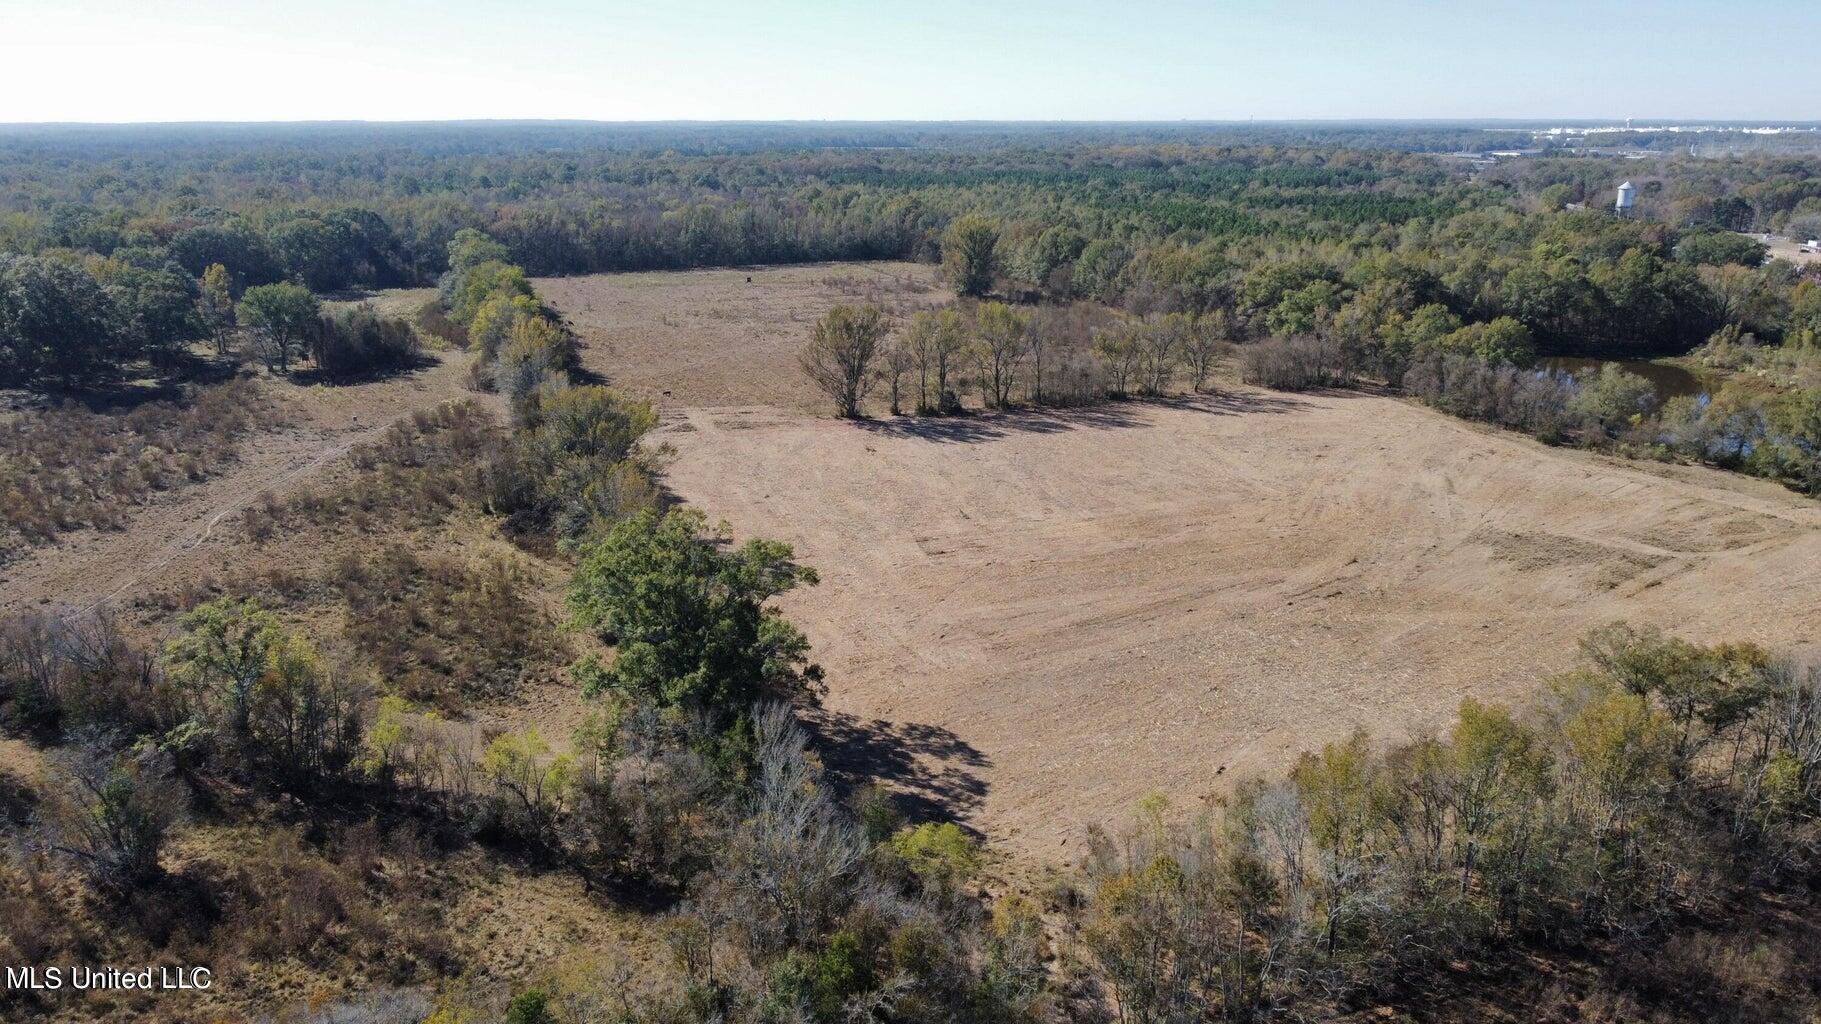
{"x":1627,"y":195}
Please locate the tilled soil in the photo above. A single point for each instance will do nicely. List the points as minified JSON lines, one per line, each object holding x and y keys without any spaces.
{"x":1033,"y":620}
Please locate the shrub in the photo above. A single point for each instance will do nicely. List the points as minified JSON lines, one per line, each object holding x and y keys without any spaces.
{"x":359,"y":341}
{"x":77,"y":673}
{"x":532,"y":784}
{"x":1539,"y":403}
{"x":434,"y":321}
{"x":940,"y":855}
{"x":1293,"y":364}
{"x":530,"y":1007}
{"x":537,"y":357}
{"x":113,"y":810}
{"x":66,"y":467}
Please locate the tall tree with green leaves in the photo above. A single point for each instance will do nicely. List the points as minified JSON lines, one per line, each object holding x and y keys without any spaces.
{"x":56,"y":322}
{"x":840,"y":355}
{"x":221,"y":650}
{"x":970,"y":255}
{"x":215,"y":306}
{"x":999,"y":349}
{"x":283,"y":311}
{"x":689,"y":618}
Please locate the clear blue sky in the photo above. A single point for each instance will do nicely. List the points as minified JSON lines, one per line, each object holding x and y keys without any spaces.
{"x":141,"y":60}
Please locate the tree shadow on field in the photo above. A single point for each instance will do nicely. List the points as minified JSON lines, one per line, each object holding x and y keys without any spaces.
{"x":1230,"y":403}
{"x":976,"y":428}
{"x":932,"y":772}
{"x":166,"y":381}
{"x":410,"y":366}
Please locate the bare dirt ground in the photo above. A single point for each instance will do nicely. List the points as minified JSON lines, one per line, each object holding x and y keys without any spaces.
{"x":1031,"y":621}
{"x":723,"y":337}
{"x":1792,"y":249}
{"x":178,"y":531}
{"x":1034,"y":620}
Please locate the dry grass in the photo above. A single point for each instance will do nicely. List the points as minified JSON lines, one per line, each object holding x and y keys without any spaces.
{"x":441,"y":630}
{"x":723,"y":337}
{"x":417,"y":471}
{"x":391,"y":559}
{"x":289,"y":923}
{"x":68,"y":468}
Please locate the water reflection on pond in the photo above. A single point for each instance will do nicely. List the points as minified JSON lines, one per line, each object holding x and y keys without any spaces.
{"x":1668,"y":380}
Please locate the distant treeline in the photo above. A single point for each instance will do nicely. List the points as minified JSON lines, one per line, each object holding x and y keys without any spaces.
{"x":1282,"y":226}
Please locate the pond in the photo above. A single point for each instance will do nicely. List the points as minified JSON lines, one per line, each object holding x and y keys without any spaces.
{"x":1668,"y":379}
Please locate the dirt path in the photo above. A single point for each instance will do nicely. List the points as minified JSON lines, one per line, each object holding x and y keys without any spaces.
{"x":176,"y":529}
{"x":1032,"y":621}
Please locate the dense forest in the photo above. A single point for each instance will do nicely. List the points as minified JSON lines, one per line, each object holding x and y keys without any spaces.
{"x":1282,"y":227}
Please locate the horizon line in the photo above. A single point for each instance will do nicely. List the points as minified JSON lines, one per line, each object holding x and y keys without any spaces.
{"x":1159,"y":122}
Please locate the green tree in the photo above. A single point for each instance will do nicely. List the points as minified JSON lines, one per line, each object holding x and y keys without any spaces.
{"x":936,"y":341}
{"x":1500,"y":774}
{"x":1504,"y":340}
{"x":215,"y":306}
{"x":1716,"y":248}
{"x":470,"y":248}
{"x":999,"y":350}
{"x":56,"y":323}
{"x":690,"y":622}
{"x":530,"y":779}
{"x":219,"y":654}
{"x":1613,"y":397}
{"x":283,"y":312}
{"x":840,"y":355}
{"x":1119,"y":349}
{"x":970,"y":255}
{"x":465,"y":290}
{"x":157,"y":308}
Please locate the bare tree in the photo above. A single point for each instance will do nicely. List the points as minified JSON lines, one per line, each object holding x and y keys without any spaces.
{"x":839,"y":358}
{"x":1039,"y":341}
{"x":1201,"y":346}
{"x":999,"y":350}
{"x":899,"y":359}
{"x":1159,"y":343}
{"x":113,"y":810}
{"x":1119,"y":348}
{"x":796,"y":861}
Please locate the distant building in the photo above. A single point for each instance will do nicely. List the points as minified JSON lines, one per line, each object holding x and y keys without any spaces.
{"x":1627,"y":195}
